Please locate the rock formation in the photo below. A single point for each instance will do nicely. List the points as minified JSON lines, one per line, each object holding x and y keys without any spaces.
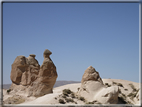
{"x":19,"y":66}
{"x":91,"y":74}
{"x":46,"y":78}
{"x":93,"y":89}
{"x":28,"y":76}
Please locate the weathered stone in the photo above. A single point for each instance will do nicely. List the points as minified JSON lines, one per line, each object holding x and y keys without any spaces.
{"x":47,"y":76}
{"x":15,"y":99}
{"x":28,"y":76}
{"x":107,"y":95}
{"x":47,"y":52}
{"x":93,"y":89}
{"x":91,"y":74}
{"x":19,"y":66}
{"x":32,"y":72}
{"x":32,"y":61}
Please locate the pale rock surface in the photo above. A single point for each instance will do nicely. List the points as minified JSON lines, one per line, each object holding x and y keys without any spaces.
{"x":107,"y":95}
{"x":125,"y":89}
{"x":138,"y":95}
{"x":50,"y":100}
{"x":93,"y":89}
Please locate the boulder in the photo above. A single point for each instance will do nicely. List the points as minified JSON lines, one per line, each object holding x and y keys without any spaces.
{"x":93,"y":89}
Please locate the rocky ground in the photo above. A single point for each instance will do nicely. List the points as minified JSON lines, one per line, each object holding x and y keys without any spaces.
{"x":129,"y":93}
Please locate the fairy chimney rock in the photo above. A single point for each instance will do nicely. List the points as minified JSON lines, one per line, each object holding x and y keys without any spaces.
{"x":93,"y":89}
{"x":91,"y":74}
{"x":27,"y":75}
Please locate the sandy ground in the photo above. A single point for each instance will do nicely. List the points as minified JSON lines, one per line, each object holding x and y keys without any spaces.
{"x":51,"y":98}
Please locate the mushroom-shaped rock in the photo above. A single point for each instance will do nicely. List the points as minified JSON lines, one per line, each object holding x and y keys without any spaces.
{"x":47,"y":77}
{"x":28,"y":76}
{"x":93,"y":89}
{"x":47,"y":53}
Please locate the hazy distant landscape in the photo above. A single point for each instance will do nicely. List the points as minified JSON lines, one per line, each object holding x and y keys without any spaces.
{"x":57,"y":84}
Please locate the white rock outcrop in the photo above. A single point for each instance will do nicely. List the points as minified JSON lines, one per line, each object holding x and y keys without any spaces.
{"x":93,"y":89}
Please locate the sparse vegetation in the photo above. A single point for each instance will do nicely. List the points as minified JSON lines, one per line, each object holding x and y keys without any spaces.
{"x":119,"y":90}
{"x":114,"y":82}
{"x":67,"y":95}
{"x":90,"y":103}
{"x":128,"y":102}
{"x":137,"y":91}
{"x":66,"y":92}
{"x":72,"y":95}
{"x":132,"y":95}
{"x":16,"y":99}
{"x":8,"y":91}
{"x":119,"y":84}
{"x":69,"y":100}
{"x":98,"y":103}
{"x":123,"y":95}
{"x":61,"y":101}
{"x":132,"y":86}
{"x":108,"y":85}
{"x":64,"y":96}
{"x":82,"y":98}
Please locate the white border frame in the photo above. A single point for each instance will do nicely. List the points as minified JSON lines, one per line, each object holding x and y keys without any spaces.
{"x":75,"y":1}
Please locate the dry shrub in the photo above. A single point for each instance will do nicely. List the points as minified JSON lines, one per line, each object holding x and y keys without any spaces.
{"x":69,"y":100}
{"x":132,"y":86}
{"x":66,"y":92}
{"x":119,"y":84}
{"x":61,"y":101}
{"x":82,"y":98}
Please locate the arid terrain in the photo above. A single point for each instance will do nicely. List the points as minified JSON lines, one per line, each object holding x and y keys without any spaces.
{"x":129,"y":93}
{"x":35,"y":84}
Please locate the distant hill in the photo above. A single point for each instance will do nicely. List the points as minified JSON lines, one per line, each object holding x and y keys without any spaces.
{"x":60,"y":83}
{"x":57,"y":84}
{"x":6,"y":86}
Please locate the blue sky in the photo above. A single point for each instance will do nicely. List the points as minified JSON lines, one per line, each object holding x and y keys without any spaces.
{"x":104,"y":35}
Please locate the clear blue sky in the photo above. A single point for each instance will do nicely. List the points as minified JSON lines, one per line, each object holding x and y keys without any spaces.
{"x":104,"y":35}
